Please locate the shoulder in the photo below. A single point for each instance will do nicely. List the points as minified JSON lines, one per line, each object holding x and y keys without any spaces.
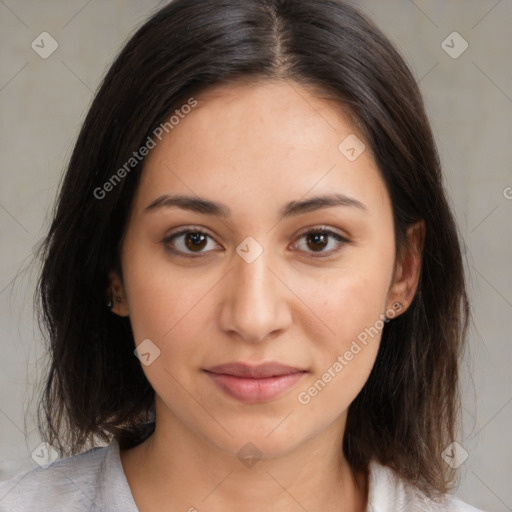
{"x":74,"y":483}
{"x":388,"y":493}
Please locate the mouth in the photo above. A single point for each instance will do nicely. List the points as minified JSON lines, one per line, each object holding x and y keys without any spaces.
{"x":254,"y":384}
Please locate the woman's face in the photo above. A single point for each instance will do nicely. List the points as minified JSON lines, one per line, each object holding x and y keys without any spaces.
{"x":253,"y":286}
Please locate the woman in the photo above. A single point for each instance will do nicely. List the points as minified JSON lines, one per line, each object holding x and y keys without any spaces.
{"x":252,"y":286}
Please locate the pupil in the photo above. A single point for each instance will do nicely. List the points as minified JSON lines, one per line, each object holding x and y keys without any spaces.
{"x":319,"y":241}
{"x":195,"y":240}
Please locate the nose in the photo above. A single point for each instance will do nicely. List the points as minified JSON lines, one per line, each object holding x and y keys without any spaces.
{"x":255,"y":302}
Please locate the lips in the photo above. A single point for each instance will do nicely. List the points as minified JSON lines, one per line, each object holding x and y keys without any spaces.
{"x":262,"y":371}
{"x":254,"y":384}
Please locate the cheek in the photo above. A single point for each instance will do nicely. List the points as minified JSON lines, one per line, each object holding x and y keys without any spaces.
{"x":351,"y":303}
{"x":346,"y":352}
{"x":351,"y":298}
{"x":166,"y":305}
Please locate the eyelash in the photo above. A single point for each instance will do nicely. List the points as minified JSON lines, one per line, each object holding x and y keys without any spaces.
{"x":321,"y":229}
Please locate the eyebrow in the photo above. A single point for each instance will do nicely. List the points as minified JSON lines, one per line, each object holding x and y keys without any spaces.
{"x":208,"y":207}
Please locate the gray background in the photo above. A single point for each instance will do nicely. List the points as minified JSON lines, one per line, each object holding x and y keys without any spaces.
{"x":469,"y":100}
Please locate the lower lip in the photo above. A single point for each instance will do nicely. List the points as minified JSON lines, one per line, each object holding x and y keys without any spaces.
{"x":255,"y":390}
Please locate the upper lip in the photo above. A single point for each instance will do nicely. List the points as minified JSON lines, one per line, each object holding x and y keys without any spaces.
{"x":260,"y":371}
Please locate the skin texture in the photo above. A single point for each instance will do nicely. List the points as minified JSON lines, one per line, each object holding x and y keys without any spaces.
{"x":254,"y":148}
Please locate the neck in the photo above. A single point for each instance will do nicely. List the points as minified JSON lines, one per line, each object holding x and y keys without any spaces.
{"x":176,"y":470}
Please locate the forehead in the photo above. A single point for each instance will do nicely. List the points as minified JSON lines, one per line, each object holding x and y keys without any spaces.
{"x":271,"y":140}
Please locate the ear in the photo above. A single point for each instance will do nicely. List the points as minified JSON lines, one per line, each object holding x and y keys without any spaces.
{"x":408,"y":267}
{"x":117,"y":295}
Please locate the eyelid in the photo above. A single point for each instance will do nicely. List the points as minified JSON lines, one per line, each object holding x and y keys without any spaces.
{"x":188,"y":229}
{"x":341,"y":239}
{"x":319,"y":228}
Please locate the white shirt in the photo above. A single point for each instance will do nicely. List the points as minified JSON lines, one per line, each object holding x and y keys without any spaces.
{"x":94,"y":481}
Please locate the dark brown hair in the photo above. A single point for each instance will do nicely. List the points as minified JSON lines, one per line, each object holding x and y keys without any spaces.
{"x":406,"y":413}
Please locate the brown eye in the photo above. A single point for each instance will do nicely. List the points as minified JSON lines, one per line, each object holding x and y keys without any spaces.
{"x":190,"y":241}
{"x":195,"y":241}
{"x":317,"y":240}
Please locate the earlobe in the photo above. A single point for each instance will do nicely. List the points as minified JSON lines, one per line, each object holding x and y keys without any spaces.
{"x":407,"y":272}
{"x":116,"y":301}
